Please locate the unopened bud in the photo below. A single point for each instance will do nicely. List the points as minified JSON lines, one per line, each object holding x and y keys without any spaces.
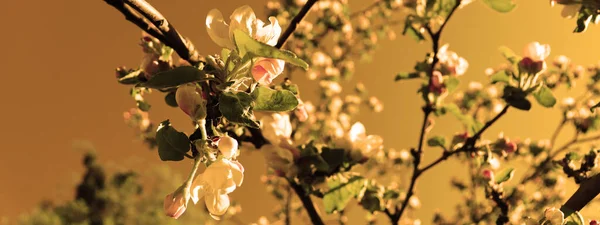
{"x":530,"y":66}
{"x":228,"y":146}
{"x":488,"y":175}
{"x":190,"y":101}
{"x":175,"y":204}
{"x":510,"y":146}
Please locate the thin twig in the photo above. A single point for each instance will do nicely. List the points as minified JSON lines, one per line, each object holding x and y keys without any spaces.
{"x":307,"y":202}
{"x":294,"y":23}
{"x":557,"y":132}
{"x":427,"y":110}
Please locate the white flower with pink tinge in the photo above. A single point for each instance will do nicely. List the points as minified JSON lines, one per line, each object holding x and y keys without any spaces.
{"x":243,"y":18}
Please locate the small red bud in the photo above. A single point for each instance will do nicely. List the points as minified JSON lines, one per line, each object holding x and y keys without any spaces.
{"x":279,"y":173}
{"x":510,"y":147}
{"x":593,"y":222}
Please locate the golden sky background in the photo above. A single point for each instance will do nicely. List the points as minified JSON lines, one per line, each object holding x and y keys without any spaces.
{"x":58,"y":85}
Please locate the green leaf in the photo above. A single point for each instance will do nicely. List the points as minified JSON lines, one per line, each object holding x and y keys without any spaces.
{"x":410,"y":31}
{"x":310,"y":154}
{"x":436,"y":141}
{"x":142,"y":105}
{"x":172,"y":144}
{"x":572,"y":217}
{"x":406,"y":76}
{"x":175,"y":77}
{"x":451,"y":83}
{"x":237,"y":108}
{"x":509,"y":55}
{"x":333,"y":157}
{"x":505,"y":175}
{"x":467,"y":120}
{"x":247,"y":45}
{"x":583,"y":20}
{"x":501,"y":77}
{"x":131,"y":78}
{"x":267,"y":99}
{"x":545,"y":97}
{"x":502,"y":6}
{"x":170,"y":99}
{"x":572,"y":156}
{"x":341,"y":191}
{"x":291,"y":87}
{"x":515,"y":97}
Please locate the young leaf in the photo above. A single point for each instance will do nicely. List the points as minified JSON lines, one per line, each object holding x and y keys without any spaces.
{"x":341,"y":190}
{"x":175,"y":77}
{"x":545,"y":97}
{"x":267,"y":99}
{"x":172,"y":144}
{"x":583,"y":20}
{"x":410,"y":31}
{"x":309,"y":156}
{"x":509,"y":55}
{"x":237,"y":108}
{"x":170,"y":99}
{"x":501,"y":77}
{"x":405,"y":76}
{"x":502,"y":6}
{"x":142,"y":105}
{"x":131,"y":78}
{"x":505,"y":175}
{"x":247,"y":45}
{"x":467,"y":120}
{"x":436,"y":141}
{"x":452,"y":83}
{"x":333,"y":157}
{"x":515,"y":97}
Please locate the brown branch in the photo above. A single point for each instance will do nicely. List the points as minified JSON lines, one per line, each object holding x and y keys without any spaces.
{"x":294,"y":23}
{"x":307,"y":202}
{"x":586,"y":192}
{"x":132,"y":16}
{"x":184,"y":48}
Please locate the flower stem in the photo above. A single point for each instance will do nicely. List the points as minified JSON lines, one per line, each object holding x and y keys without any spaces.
{"x":308,"y":203}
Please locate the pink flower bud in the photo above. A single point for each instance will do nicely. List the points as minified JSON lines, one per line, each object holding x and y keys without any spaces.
{"x":267,"y":69}
{"x":437,"y":83}
{"x":174,"y":204}
{"x":488,"y":175}
{"x":228,"y":146}
{"x":510,"y":146}
{"x":190,"y":101}
{"x":301,"y":112}
{"x":528,"y":65}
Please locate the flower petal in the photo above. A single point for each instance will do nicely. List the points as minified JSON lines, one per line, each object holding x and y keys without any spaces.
{"x":268,"y":34}
{"x":237,"y":172}
{"x":218,"y":30}
{"x":357,"y":132}
{"x":217,"y":204}
{"x":217,"y":174}
{"x":243,"y":18}
{"x":267,"y":69}
{"x":570,"y":11}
